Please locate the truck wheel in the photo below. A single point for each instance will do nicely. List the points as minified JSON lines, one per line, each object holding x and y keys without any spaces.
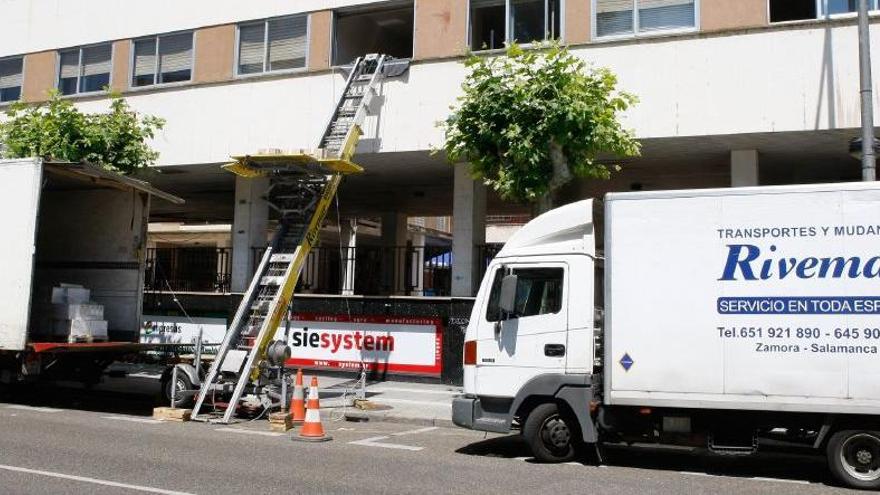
{"x":550,"y":434}
{"x":183,"y":383}
{"x":854,"y":458}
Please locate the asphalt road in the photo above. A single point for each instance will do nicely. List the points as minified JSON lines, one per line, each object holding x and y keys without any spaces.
{"x":75,"y":442}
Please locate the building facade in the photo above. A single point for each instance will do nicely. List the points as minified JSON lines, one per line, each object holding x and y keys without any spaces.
{"x":731,"y":93}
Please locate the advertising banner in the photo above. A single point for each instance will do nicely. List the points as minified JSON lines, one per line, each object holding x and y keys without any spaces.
{"x":159,"y":329}
{"x":380,"y":343}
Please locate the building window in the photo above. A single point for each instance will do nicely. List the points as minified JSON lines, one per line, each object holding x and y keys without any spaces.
{"x":800,"y":10}
{"x":496,"y":22}
{"x":362,"y":31}
{"x":162,"y":59}
{"x":85,"y":69}
{"x":633,"y":17}
{"x":10,"y":79}
{"x":273,"y":45}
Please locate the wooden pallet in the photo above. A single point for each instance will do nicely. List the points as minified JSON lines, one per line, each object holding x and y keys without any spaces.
{"x":280,"y":421}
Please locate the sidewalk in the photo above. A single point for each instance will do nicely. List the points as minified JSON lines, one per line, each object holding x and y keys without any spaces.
{"x":427,"y":404}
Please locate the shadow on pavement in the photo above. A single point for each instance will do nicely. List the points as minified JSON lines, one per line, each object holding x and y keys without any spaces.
{"x":777,"y":465}
{"x":45,"y":395}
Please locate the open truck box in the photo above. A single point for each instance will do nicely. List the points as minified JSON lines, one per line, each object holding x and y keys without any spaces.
{"x":70,"y":223}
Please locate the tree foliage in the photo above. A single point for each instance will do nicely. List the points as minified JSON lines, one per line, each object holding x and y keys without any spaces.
{"x":531,"y":120}
{"x":57,"y":130}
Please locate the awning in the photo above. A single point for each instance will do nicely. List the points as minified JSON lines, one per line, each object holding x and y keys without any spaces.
{"x":96,"y":175}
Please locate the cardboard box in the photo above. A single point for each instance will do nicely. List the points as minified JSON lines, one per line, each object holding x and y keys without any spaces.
{"x":81,"y":329}
{"x":70,"y":295}
{"x":78,"y":311}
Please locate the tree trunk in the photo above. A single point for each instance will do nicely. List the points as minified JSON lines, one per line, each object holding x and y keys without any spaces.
{"x":561,"y":176}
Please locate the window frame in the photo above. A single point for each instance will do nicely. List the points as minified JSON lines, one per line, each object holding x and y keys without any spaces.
{"x":155,"y":38}
{"x":507,"y":22}
{"x":514,"y":267}
{"x":820,"y":7}
{"x":266,"y":72}
{"x":79,"y":72}
{"x":635,"y":32}
{"x":21,"y":85}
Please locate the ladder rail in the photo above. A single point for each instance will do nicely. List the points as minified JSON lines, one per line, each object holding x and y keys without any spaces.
{"x":232,"y":332}
{"x":340,"y":101}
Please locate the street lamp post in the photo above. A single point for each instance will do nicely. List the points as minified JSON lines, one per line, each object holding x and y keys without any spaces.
{"x":869,"y":172}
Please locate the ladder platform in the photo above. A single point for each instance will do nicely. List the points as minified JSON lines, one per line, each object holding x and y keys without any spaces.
{"x":303,"y":163}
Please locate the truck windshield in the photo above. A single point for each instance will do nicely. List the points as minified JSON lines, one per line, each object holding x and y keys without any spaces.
{"x":538,"y":292}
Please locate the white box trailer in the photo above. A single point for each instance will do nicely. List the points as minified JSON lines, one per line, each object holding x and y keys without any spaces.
{"x":731,"y":317}
{"x":69,"y":223}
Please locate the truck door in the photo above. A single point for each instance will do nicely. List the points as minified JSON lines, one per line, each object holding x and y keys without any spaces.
{"x":512,"y":349}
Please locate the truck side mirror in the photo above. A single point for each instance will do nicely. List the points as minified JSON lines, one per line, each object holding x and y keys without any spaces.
{"x":507,"y":299}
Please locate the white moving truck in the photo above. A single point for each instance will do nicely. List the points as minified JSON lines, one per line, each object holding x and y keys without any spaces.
{"x":726,"y":319}
{"x":65,"y":224}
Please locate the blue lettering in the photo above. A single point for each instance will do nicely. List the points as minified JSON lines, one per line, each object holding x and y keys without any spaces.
{"x":734,"y":261}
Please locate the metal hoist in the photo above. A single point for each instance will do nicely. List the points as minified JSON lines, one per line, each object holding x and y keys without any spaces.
{"x":301,"y":189}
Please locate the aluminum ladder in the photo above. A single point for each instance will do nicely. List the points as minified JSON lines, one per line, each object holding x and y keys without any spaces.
{"x":301,"y":189}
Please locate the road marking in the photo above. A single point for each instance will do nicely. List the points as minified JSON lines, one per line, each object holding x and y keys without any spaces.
{"x":416,"y":402}
{"x":95,"y":481}
{"x":695,"y":473}
{"x":781,"y":480}
{"x":412,"y":391}
{"x":413,"y":432}
{"x":374,"y":442}
{"x":251,"y":432}
{"x":133,"y":419}
{"x":522,"y":458}
{"x":34,"y":408}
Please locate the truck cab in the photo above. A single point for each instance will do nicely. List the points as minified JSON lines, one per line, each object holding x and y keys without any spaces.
{"x":530,"y":348}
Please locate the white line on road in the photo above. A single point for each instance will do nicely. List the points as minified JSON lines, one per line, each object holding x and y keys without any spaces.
{"x":413,"y":432}
{"x":374,"y":442}
{"x":34,"y":408}
{"x":781,"y":480}
{"x":133,"y":419}
{"x":95,"y":481}
{"x":416,"y":402}
{"x":251,"y":432}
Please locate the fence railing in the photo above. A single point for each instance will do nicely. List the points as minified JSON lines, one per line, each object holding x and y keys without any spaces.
{"x":193,"y":269}
{"x":377,"y":270}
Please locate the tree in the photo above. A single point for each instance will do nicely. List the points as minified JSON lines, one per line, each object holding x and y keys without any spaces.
{"x":530,"y":121}
{"x":57,"y":130}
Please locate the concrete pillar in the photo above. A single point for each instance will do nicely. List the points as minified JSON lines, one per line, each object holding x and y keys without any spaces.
{"x":468,"y":230}
{"x":744,"y":168}
{"x":249,"y":225}
{"x":394,"y":237}
{"x":348,"y":241}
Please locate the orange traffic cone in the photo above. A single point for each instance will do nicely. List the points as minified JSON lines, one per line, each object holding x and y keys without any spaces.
{"x":297,"y":404}
{"x":312,"y":430}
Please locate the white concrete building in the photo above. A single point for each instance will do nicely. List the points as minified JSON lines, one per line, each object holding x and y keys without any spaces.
{"x":730,"y":93}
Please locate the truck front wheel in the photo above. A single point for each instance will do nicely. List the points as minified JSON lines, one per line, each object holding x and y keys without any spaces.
{"x":550,"y":434}
{"x":854,"y":458}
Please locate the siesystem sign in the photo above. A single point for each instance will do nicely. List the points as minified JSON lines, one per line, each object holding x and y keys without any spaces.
{"x":380,"y":343}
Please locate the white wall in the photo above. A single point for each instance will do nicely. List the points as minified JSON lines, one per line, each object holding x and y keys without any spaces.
{"x":765,"y":81}
{"x":35,"y":25}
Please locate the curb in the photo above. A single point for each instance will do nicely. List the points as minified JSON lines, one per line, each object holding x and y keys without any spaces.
{"x":384,"y":416}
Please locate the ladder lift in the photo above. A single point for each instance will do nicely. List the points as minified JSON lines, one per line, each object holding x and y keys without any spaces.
{"x":301,"y":189}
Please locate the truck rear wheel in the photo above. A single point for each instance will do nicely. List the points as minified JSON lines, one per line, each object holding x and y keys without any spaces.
{"x":550,"y":434}
{"x":854,"y":458}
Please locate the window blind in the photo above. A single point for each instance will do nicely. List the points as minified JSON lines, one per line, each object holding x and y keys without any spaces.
{"x":665,"y":14}
{"x":287,"y":43}
{"x":251,"y":38}
{"x":10,"y":73}
{"x":68,"y":74}
{"x":144,"y":62}
{"x":614,"y":17}
{"x":175,"y":57}
{"x":96,"y":60}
